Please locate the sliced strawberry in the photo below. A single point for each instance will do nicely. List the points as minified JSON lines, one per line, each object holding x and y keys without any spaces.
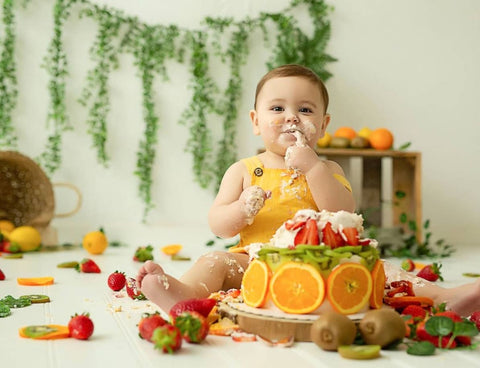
{"x":351,"y":233}
{"x":364,"y":242}
{"x":132,"y":290}
{"x":332,"y":238}
{"x":290,"y":225}
{"x":301,"y":236}
{"x":308,"y":234}
{"x":312,"y":232}
{"x":408,"y":265}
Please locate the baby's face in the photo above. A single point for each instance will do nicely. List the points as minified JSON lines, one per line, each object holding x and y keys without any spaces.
{"x":286,"y":108}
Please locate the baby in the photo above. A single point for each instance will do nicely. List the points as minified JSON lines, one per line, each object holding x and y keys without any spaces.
{"x":258,"y":194}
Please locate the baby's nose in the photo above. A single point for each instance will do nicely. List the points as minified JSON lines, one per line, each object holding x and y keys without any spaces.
{"x":292,"y":118}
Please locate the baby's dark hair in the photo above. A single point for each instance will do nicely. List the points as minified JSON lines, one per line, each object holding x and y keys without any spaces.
{"x":293,"y":70}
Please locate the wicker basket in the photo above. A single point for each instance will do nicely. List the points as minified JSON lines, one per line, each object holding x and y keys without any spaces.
{"x":26,"y":194}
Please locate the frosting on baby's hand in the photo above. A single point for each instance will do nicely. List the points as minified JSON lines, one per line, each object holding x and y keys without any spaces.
{"x":254,"y":199}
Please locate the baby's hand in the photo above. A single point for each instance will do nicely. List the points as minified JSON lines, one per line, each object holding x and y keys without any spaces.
{"x":302,"y":158}
{"x":253,"y":199}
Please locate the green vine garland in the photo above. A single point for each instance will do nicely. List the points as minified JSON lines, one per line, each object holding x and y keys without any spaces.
{"x":8,"y":78}
{"x":152,"y":47}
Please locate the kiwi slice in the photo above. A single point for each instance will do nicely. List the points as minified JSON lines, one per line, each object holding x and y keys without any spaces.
{"x":38,"y":330}
{"x":37,"y":298}
{"x":359,"y":351}
{"x":72,"y":264}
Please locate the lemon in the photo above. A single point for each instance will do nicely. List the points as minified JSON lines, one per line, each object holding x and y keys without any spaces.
{"x":95,"y":242}
{"x":364,"y":132}
{"x":325,"y":140}
{"x":6,"y":226}
{"x":27,"y":237}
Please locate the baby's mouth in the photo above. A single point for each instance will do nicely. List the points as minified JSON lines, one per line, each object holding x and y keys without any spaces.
{"x":292,"y":131}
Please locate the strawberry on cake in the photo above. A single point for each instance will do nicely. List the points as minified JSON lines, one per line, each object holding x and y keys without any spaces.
{"x":314,"y":261}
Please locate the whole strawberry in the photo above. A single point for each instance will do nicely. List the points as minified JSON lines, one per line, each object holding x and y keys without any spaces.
{"x":132,"y":290}
{"x":148,"y":324}
{"x":116,"y":281}
{"x":431,"y":272}
{"x":80,"y":326}
{"x":88,"y":266}
{"x":167,"y":338}
{"x":202,"y":306}
{"x":475,"y":318}
{"x":193,"y":326}
{"x":2,"y":275}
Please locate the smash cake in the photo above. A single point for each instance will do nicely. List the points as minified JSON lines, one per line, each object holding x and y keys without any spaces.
{"x":316,"y":261}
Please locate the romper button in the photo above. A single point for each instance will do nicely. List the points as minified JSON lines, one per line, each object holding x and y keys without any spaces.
{"x":258,"y":171}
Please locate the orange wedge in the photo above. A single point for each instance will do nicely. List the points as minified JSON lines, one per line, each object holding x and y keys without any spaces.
{"x":255,"y":284}
{"x":35,"y":281}
{"x":349,"y":287}
{"x":297,"y":288}
{"x":172,"y":249}
{"x":378,"y":286}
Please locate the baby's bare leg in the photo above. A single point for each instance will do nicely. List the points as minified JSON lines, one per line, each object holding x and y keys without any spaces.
{"x":463,"y":299}
{"x":211,"y":272}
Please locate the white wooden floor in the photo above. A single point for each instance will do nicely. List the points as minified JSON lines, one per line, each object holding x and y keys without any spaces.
{"x":115,"y":341}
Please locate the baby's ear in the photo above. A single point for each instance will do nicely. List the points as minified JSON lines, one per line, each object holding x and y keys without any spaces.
{"x":325,"y":122}
{"x":254,"y":119}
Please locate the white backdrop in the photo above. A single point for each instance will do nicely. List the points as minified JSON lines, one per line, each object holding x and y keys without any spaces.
{"x":410,"y":66}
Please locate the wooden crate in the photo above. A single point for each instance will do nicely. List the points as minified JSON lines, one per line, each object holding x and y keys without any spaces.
{"x":406,"y":177}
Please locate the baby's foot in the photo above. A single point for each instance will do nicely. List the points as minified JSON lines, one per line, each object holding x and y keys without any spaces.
{"x":160,"y":288}
{"x":464,"y":299}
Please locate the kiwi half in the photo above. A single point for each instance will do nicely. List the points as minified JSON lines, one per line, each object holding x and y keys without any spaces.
{"x":37,"y":298}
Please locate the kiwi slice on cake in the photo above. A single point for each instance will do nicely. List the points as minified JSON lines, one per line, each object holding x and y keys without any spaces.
{"x":37,"y":298}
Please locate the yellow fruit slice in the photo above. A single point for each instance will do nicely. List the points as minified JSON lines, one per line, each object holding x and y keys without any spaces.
{"x":378,"y":285}
{"x":27,"y":237}
{"x":35,"y":281}
{"x":297,"y":288}
{"x":171,"y":249}
{"x":349,"y":287}
{"x":255,"y":284}
{"x":95,"y":242}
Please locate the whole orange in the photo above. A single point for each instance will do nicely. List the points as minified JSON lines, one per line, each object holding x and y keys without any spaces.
{"x":345,"y":132}
{"x":95,"y":242}
{"x":381,"y":139}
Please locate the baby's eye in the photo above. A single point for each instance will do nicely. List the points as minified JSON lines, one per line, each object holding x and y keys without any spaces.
{"x":305,"y":110}
{"x":277,"y":108}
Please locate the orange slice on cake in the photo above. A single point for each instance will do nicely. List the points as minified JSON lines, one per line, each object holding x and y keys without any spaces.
{"x":349,"y":287}
{"x":297,"y":288}
{"x":255,"y":284}
{"x":378,"y":285}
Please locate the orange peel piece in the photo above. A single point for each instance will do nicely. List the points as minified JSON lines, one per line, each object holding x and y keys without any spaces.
{"x":35,"y":281}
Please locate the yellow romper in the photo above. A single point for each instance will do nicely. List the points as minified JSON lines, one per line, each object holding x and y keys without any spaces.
{"x":290,"y":193}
